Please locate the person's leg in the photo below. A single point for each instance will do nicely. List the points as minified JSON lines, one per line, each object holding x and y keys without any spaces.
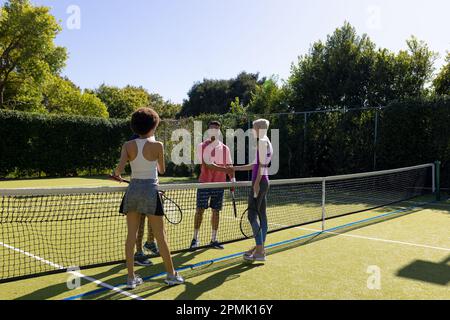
{"x":160,"y":235}
{"x":262,"y":209}
{"x":216,"y":207}
{"x":151,"y":245}
{"x":150,"y":235}
{"x":140,"y":234}
{"x":133,"y":222}
{"x":253,"y":219}
{"x":198,"y":219}
{"x":214,"y":224}
{"x":202,"y":204}
{"x":263,"y":223}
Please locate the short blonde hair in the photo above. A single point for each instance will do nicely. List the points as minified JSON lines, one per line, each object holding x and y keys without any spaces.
{"x":261,"y":124}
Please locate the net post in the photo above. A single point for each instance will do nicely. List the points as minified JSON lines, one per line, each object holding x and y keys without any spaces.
{"x":323,"y":203}
{"x":437,"y":180}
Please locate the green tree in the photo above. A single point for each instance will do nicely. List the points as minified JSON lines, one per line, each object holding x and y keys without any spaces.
{"x":413,"y":69}
{"x":122,"y":102}
{"x":236,"y":107}
{"x":333,"y":74}
{"x":442,"y":82}
{"x":61,"y":96}
{"x":348,"y":71}
{"x":216,"y":96}
{"x":268,"y":98}
{"x":165,"y":109}
{"x":27,"y":50}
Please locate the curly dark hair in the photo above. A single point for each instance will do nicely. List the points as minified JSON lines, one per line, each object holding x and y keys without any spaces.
{"x":144,"y":120}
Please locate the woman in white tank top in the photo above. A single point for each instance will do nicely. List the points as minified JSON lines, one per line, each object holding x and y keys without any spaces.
{"x":146,"y":157}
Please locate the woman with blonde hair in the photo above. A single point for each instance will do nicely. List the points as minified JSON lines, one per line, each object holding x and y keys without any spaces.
{"x":257,"y":200}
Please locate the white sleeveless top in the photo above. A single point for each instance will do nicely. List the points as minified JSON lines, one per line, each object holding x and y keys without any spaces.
{"x":141,"y":168}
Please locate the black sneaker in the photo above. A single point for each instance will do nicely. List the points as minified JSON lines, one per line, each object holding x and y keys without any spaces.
{"x":216,"y":245}
{"x":142,"y":260}
{"x":152,"y":247}
{"x":194,"y":244}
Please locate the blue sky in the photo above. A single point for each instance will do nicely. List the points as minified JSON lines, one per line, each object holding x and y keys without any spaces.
{"x":167,"y":45}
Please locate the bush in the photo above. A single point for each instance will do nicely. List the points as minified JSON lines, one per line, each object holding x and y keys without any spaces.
{"x":58,"y":145}
{"x":410,"y":132}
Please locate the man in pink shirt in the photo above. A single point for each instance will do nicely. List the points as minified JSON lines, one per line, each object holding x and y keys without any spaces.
{"x":216,"y":164}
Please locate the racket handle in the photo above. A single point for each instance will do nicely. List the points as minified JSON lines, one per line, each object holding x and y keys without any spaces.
{"x":233,"y":180}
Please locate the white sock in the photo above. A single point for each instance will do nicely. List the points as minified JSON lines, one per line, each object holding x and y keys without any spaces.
{"x":214,"y":235}
{"x":196,"y":234}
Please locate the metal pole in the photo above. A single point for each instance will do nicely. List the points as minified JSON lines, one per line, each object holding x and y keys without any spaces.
{"x":375,"y":141}
{"x":323,"y":204}
{"x":249,"y":177}
{"x":437,"y":177}
{"x":304,"y":133}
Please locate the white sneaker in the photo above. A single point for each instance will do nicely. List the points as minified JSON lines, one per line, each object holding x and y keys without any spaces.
{"x":133,"y":283}
{"x":174,"y":280}
{"x":255,"y":257}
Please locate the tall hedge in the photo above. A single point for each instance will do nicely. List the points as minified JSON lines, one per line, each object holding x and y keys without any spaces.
{"x":58,"y":145}
{"x":408,"y":133}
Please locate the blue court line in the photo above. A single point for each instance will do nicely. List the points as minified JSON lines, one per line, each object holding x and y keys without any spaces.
{"x":268,"y":247}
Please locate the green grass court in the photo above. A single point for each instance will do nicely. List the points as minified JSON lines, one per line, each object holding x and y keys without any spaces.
{"x":407,"y":244}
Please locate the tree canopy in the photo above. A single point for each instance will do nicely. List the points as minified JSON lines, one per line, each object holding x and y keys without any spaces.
{"x":30,"y":65}
{"x":28,"y":54}
{"x":216,"y":96}
{"x":347,"y":70}
{"x":122,"y":102}
{"x":442,"y":81}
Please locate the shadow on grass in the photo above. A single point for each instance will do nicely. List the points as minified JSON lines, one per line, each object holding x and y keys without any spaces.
{"x":60,"y":288}
{"x":427,"y":271}
{"x":223,"y":272}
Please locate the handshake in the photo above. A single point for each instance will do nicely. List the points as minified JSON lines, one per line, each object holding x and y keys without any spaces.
{"x":230,"y":170}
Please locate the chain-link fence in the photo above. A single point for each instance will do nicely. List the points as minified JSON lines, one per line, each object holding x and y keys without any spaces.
{"x":343,"y":141}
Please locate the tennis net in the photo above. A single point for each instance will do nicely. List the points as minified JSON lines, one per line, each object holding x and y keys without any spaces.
{"x":45,"y":231}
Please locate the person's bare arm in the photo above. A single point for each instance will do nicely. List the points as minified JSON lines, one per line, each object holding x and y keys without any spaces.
{"x":122,"y":162}
{"x":216,"y":167}
{"x":161,"y":160}
{"x":246,"y":167}
{"x":261,"y":168}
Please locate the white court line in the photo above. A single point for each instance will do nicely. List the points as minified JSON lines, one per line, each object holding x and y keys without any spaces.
{"x":75,"y":273}
{"x":360,"y":237}
{"x":374,"y":239}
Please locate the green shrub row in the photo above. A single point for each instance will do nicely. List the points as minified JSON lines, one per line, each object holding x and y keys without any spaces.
{"x":60,"y":145}
{"x":403,"y":134}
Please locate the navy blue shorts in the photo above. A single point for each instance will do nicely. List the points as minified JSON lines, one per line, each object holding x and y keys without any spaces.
{"x":210,"y":198}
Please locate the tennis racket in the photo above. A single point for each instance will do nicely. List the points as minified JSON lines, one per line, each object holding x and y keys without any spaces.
{"x":233,"y":198}
{"x":245,"y":226}
{"x":171,"y":209}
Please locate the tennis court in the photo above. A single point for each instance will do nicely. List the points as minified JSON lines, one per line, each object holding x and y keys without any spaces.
{"x":385,"y":236}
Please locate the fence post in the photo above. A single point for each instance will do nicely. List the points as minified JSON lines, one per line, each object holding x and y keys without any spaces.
{"x":249,"y":126}
{"x":437,"y":180}
{"x":323,"y":203}
{"x":375,"y":141}
{"x":305,"y":122}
